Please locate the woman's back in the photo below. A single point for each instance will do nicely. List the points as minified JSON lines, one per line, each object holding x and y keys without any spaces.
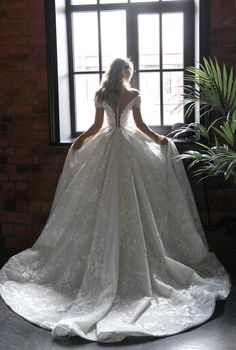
{"x":126,"y":96}
{"x":118,"y":113}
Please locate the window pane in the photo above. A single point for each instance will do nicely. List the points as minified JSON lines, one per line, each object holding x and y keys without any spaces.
{"x":172,"y":26}
{"x":150,"y":92}
{"x":83,"y":2}
{"x":148,"y":36}
{"x":85,"y":87}
{"x":113,"y":33}
{"x":85,"y":41}
{"x":144,"y":0}
{"x":172,"y":90}
{"x":112,"y":1}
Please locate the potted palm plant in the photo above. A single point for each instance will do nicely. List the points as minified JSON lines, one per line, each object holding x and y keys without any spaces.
{"x":211,"y":88}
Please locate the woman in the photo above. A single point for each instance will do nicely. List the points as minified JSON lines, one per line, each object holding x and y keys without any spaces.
{"x":116,"y":92}
{"x":123,"y":251}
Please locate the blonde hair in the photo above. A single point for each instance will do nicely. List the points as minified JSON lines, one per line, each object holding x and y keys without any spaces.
{"x":113,"y":83}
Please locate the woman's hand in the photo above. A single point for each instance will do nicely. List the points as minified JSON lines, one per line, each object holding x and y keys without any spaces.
{"x":78,"y":143}
{"x":161,"y":139}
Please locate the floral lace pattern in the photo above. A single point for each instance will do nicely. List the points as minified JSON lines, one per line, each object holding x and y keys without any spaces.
{"x":123,"y":251}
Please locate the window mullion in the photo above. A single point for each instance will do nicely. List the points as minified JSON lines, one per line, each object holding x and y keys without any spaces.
{"x":71,"y":68}
{"x":189,"y":44}
{"x":189,"y":36}
{"x":161,"y":70}
{"x":132,"y":40}
{"x":99,"y":45}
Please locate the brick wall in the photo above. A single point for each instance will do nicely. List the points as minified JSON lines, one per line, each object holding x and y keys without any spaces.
{"x":222,"y":196}
{"x":223,"y":31}
{"x":29,"y":168}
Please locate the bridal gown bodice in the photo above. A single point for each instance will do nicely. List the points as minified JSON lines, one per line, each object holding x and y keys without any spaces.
{"x":123,"y":251}
{"x":120,"y":117}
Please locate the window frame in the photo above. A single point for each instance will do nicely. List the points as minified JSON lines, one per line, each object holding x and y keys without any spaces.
{"x":185,"y":6}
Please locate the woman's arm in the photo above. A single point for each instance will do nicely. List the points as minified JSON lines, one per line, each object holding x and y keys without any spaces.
{"x":94,"y":128}
{"x":160,"y":139}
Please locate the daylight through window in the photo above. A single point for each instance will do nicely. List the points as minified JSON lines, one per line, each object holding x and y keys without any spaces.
{"x":156,"y":35}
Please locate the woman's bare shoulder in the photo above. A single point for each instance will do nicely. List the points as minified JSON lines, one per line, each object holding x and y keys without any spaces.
{"x":133,"y":92}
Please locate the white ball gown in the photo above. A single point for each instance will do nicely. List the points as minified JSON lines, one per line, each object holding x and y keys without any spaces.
{"x":123,"y":251}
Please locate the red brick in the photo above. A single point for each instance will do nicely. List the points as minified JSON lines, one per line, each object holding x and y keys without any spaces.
{"x":22,"y":206}
{"x":3,"y":176}
{"x":40,"y":57}
{"x":39,"y":75}
{"x":10,"y":168}
{"x":4,"y":32}
{"x":8,"y":22}
{"x":31,"y":13}
{"x":39,"y":218}
{"x":5,"y":84}
{"x":22,"y":195}
{"x":28,"y":67}
{"x":22,"y":151}
{"x":4,"y":216}
{"x":14,"y":75}
{"x":17,"y":243}
{"x":34,"y":206}
{"x":21,"y":185}
{"x":10,"y":67}
{"x":15,"y":32}
{"x":48,"y":196}
{"x":9,"y":186}
{"x":37,"y":40}
{"x":7,"y":229}
{"x":18,"y":92}
{"x":18,"y":109}
{"x":46,"y":206}
{"x":20,"y":218}
{"x":214,"y":3}
{"x":19,"y":159}
{"x":34,"y":231}
{"x":14,"y":40}
{"x":14,"y":13}
{"x":3,"y":13}
{"x":35,"y":4}
{"x":19,"y":177}
{"x":19,"y":230}
{"x":35,"y":22}
{"x":34,"y":31}
{"x":4,"y":143}
{"x":226,"y":4}
{"x":13,"y":4}
{"x":227,"y":22}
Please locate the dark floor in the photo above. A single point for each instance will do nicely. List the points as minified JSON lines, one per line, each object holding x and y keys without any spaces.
{"x":218,"y":333}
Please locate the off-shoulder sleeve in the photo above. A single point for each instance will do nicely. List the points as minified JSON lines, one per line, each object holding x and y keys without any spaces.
{"x":137,"y":101}
{"x":98,"y":104}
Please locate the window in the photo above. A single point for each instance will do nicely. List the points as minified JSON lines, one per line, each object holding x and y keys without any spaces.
{"x":157,"y":35}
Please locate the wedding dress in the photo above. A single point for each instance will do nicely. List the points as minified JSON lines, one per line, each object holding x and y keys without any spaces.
{"x":123,"y":251}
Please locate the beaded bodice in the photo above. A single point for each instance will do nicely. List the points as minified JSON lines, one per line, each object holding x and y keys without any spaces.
{"x":118,"y":118}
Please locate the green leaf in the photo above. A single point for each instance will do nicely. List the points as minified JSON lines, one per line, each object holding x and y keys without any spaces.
{"x":203,"y":131}
{"x":224,"y":135}
{"x":230,"y":84}
{"x":225,"y":80}
{"x":213,"y":123}
{"x":230,"y":169}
